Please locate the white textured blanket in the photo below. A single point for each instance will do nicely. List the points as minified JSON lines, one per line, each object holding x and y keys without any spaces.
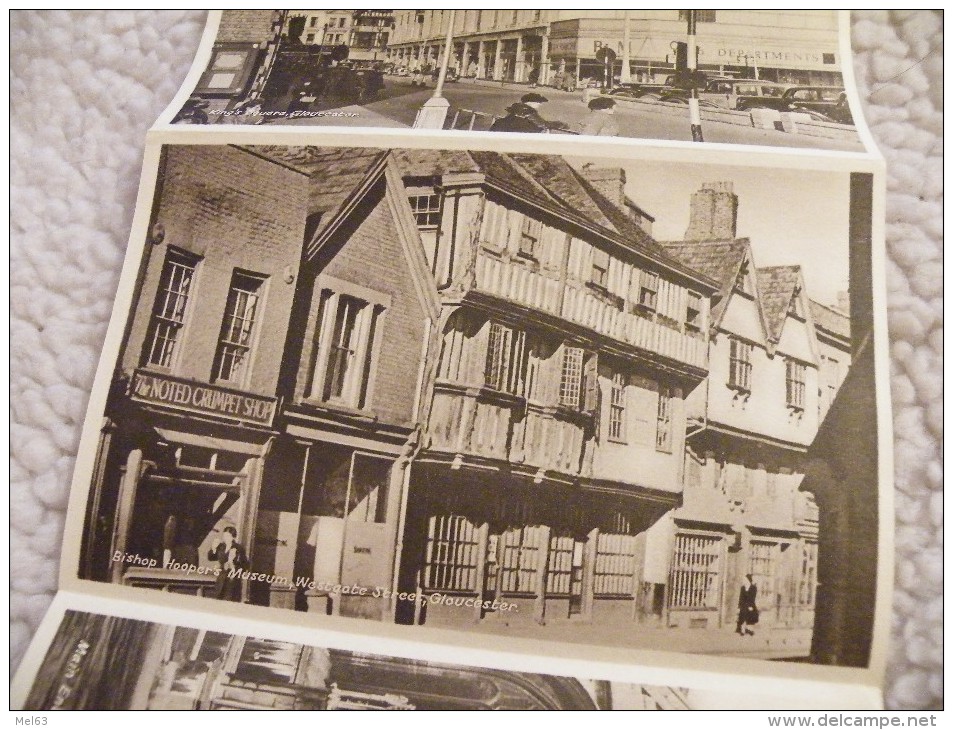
{"x":86,"y":86}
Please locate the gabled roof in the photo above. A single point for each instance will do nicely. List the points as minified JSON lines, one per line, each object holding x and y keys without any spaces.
{"x":340,"y":178}
{"x":547,"y":181}
{"x":718,"y":260}
{"x":777,"y":285}
{"x":830,"y":320}
{"x":338,"y":172}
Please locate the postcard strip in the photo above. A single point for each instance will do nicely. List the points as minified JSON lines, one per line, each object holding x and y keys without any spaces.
{"x":406,"y":387}
{"x":117,"y":658}
{"x":779,"y":79}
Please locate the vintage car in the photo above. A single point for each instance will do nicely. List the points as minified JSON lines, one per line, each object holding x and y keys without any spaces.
{"x":822,"y":99}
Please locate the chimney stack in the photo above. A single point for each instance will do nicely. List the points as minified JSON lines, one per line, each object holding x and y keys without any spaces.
{"x":714,"y":213}
{"x":610,"y":181}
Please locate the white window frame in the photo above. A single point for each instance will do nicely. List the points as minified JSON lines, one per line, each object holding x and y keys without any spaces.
{"x":239,"y":374}
{"x":356,"y":392}
{"x":795,"y":384}
{"x":505,"y":366}
{"x":427,"y":216}
{"x":664,"y":429}
{"x":617,"y":408}
{"x":739,"y":364}
{"x":571,"y":377}
{"x":174,"y":326}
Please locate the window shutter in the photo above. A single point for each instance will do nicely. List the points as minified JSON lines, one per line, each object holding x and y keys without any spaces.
{"x":644,"y":415}
{"x":591,"y":384}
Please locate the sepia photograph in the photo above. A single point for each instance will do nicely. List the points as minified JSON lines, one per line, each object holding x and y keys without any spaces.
{"x":624,"y":403}
{"x":751,"y":77}
{"x":103,"y":662}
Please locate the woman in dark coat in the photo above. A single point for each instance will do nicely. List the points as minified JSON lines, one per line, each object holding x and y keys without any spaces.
{"x":747,"y":607}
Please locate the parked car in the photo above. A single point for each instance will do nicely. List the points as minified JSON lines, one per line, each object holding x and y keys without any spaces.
{"x":823,"y":99}
{"x":745,"y":95}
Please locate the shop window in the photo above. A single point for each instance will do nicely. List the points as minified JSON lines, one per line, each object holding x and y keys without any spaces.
{"x":617,"y":403}
{"x":663,"y":422}
{"x":739,"y":365}
{"x":520,"y":551}
{"x":615,"y":564}
{"x":238,"y":328}
{"x":696,"y":572}
{"x":170,"y":309}
{"x":794,"y":385}
{"x":505,"y":359}
{"x":346,"y":352}
{"x":452,"y":554}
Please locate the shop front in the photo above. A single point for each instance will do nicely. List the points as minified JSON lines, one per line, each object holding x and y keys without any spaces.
{"x":178,"y":482}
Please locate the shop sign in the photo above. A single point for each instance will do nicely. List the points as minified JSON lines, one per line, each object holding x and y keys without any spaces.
{"x":195,"y":397}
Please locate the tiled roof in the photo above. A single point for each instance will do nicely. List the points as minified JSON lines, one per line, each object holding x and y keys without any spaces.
{"x":547,"y":180}
{"x":776,"y":286}
{"x":336,"y":172}
{"x":829,"y":319}
{"x":718,"y":260}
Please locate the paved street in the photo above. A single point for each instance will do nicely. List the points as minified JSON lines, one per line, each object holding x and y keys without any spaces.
{"x":399,"y":102}
{"x":767,"y":643}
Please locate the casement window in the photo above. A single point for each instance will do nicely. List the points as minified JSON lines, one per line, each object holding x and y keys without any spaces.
{"x":600,"y":268}
{"x":794,"y":384}
{"x":570,"y":380}
{"x":313,"y":22}
{"x":765,"y":558}
{"x":617,"y":403}
{"x":427,"y":209}
{"x":347,"y":341}
{"x":807,"y":583}
{"x":310,"y":37}
{"x":171,"y":307}
{"x":530,"y":233}
{"x":648,"y":291}
{"x":693,"y":313}
{"x":663,"y":421}
{"x":238,"y":328}
{"x":505,"y":359}
{"x":696,"y":572}
{"x":739,"y":365}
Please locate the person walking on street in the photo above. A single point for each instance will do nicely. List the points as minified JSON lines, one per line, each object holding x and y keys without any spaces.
{"x":747,"y":607}
{"x":599,"y":121}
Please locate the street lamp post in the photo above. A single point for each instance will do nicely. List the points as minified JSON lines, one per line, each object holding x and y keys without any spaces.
{"x":625,"y":75}
{"x":433,"y":113}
